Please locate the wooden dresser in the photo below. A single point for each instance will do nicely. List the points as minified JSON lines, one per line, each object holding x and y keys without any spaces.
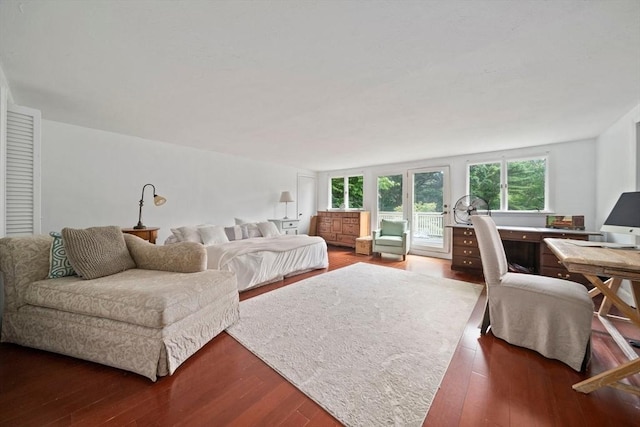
{"x":523,"y":246}
{"x":343,"y":228}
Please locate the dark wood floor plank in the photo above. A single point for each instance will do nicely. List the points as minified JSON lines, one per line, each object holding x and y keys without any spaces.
{"x":488,"y":382}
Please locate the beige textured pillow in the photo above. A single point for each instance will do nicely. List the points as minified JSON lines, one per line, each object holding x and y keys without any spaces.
{"x":97,"y":251}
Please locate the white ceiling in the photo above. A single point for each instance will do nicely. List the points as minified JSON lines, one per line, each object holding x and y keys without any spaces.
{"x":327,"y":85}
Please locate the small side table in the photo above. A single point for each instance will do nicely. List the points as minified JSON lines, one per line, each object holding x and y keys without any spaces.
{"x":150,"y":233}
{"x":286,"y":226}
{"x":364,"y":245}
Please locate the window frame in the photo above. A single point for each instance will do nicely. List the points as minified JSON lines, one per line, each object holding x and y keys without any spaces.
{"x":345,"y":178}
{"x":504,"y":189}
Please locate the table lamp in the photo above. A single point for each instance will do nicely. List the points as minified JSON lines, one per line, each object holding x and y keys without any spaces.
{"x":285,"y":198}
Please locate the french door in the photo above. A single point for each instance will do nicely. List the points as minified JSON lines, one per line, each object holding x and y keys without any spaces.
{"x":429,"y":210}
{"x":420,"y":196}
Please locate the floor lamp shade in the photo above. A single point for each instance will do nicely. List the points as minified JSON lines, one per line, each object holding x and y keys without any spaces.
{"x":286,"y":198}
{"x":157,"y":200}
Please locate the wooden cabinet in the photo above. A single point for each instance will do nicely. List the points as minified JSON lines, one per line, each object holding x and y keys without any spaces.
{"x":523,"y":246}
{"x":343,"y":228}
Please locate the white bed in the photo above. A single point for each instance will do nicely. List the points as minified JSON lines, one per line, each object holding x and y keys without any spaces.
{"x":261,"y":260}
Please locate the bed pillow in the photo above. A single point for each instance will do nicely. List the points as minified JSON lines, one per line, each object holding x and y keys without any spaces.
{"x":59,"y":265}
{"x":233,"y":233}
{"x":97,"y":251}
{"x":187,"y":234}
{"x":213,"y":235}
{"x":250,"y":230}
{"x":268,"y":229}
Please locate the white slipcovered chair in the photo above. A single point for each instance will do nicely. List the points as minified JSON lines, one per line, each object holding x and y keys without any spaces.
{"x":548,"y":315}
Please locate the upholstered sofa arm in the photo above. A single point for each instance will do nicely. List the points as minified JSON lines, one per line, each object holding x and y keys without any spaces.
{"x":182,"y":257}
{"x":23,"y":260}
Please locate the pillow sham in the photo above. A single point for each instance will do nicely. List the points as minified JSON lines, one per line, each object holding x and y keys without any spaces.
{"x":97,"y":251}
{"x":268,"y":229}
{"x":187,"y":234}
{"x":213,"y":235}
{"x":59,"y":265}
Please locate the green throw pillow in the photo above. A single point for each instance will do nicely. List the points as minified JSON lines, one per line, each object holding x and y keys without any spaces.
{"x":59,"y":265}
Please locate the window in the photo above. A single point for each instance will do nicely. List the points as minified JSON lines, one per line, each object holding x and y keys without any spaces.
{"x":346,"y":192}
{"x":510,"y":185}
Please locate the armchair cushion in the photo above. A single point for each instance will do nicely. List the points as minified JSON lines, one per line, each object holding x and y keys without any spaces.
{"x":390,"y":241}
{"x":181,"y":257}
{"x":97,"y":251}
{"x":393,"y":227}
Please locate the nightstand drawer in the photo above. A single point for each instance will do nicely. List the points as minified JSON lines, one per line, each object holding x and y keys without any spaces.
{"x":289,"y":224}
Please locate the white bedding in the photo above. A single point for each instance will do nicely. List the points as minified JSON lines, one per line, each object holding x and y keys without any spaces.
{"x":262,"y":260}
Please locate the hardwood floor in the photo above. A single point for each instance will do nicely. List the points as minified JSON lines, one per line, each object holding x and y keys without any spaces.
{"x":489,"y":382}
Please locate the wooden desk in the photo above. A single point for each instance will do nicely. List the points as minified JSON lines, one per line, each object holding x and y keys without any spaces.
{"x":150,"y":233}
{"x":522,"y":245}
{"x":617,"y":264}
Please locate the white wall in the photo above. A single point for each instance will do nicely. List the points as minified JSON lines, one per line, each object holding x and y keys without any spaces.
{"x":616,"y":166}
{"x":571,"y":166}
{"x":92,"y":177}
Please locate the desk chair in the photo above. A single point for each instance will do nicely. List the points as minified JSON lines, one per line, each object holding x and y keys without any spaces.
{"x":548,"y":315}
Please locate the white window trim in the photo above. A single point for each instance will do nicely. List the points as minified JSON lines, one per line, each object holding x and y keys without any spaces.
{"x":346,"y":192}
{"x":504,"y":201}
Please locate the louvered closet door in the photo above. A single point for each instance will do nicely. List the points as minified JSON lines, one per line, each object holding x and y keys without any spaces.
{"x":22,"y":183}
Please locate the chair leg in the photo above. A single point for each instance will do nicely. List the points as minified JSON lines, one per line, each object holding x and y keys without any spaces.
{"x":587,"y":357}
{"x":486,"y":320}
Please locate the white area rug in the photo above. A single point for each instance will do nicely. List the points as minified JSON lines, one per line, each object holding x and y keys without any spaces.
{"x":370,"y":344}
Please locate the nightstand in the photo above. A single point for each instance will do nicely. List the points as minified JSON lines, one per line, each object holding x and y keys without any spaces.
{"x":150,"y":233}
{"x":286,"y":226}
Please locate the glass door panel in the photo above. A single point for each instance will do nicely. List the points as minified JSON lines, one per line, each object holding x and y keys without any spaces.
{"x":429,"y":210}
{"x":390,"y":197}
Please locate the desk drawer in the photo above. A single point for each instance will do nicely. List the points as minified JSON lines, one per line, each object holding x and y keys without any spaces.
{"x":466,"y":251}
{"x":289,"y":224}
{"x":465,"y":242}
{"x":562,"y":273}
{"x":519,"y":235}
{"x":470,"y":263}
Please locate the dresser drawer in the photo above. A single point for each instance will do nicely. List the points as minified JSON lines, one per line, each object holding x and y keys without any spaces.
{"x":347,"y":240}
{"x":351,"y":229}
{"x":329,"y":237}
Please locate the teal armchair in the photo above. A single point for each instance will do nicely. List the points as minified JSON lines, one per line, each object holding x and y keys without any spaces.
{"x":392,"y":238}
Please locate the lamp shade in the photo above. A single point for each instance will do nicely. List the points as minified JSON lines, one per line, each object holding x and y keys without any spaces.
{"x":286,"y":197}
{"x":159,"y":200}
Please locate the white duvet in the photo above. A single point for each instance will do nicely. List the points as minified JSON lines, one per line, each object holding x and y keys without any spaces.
{"x":262,"y":260}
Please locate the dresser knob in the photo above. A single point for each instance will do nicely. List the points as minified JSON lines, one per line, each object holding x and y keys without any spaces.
{"x":566,"y":276}
{"x":524,"y":237}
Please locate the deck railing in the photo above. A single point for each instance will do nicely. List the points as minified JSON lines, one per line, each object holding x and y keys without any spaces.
{"x":424,"y":224}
